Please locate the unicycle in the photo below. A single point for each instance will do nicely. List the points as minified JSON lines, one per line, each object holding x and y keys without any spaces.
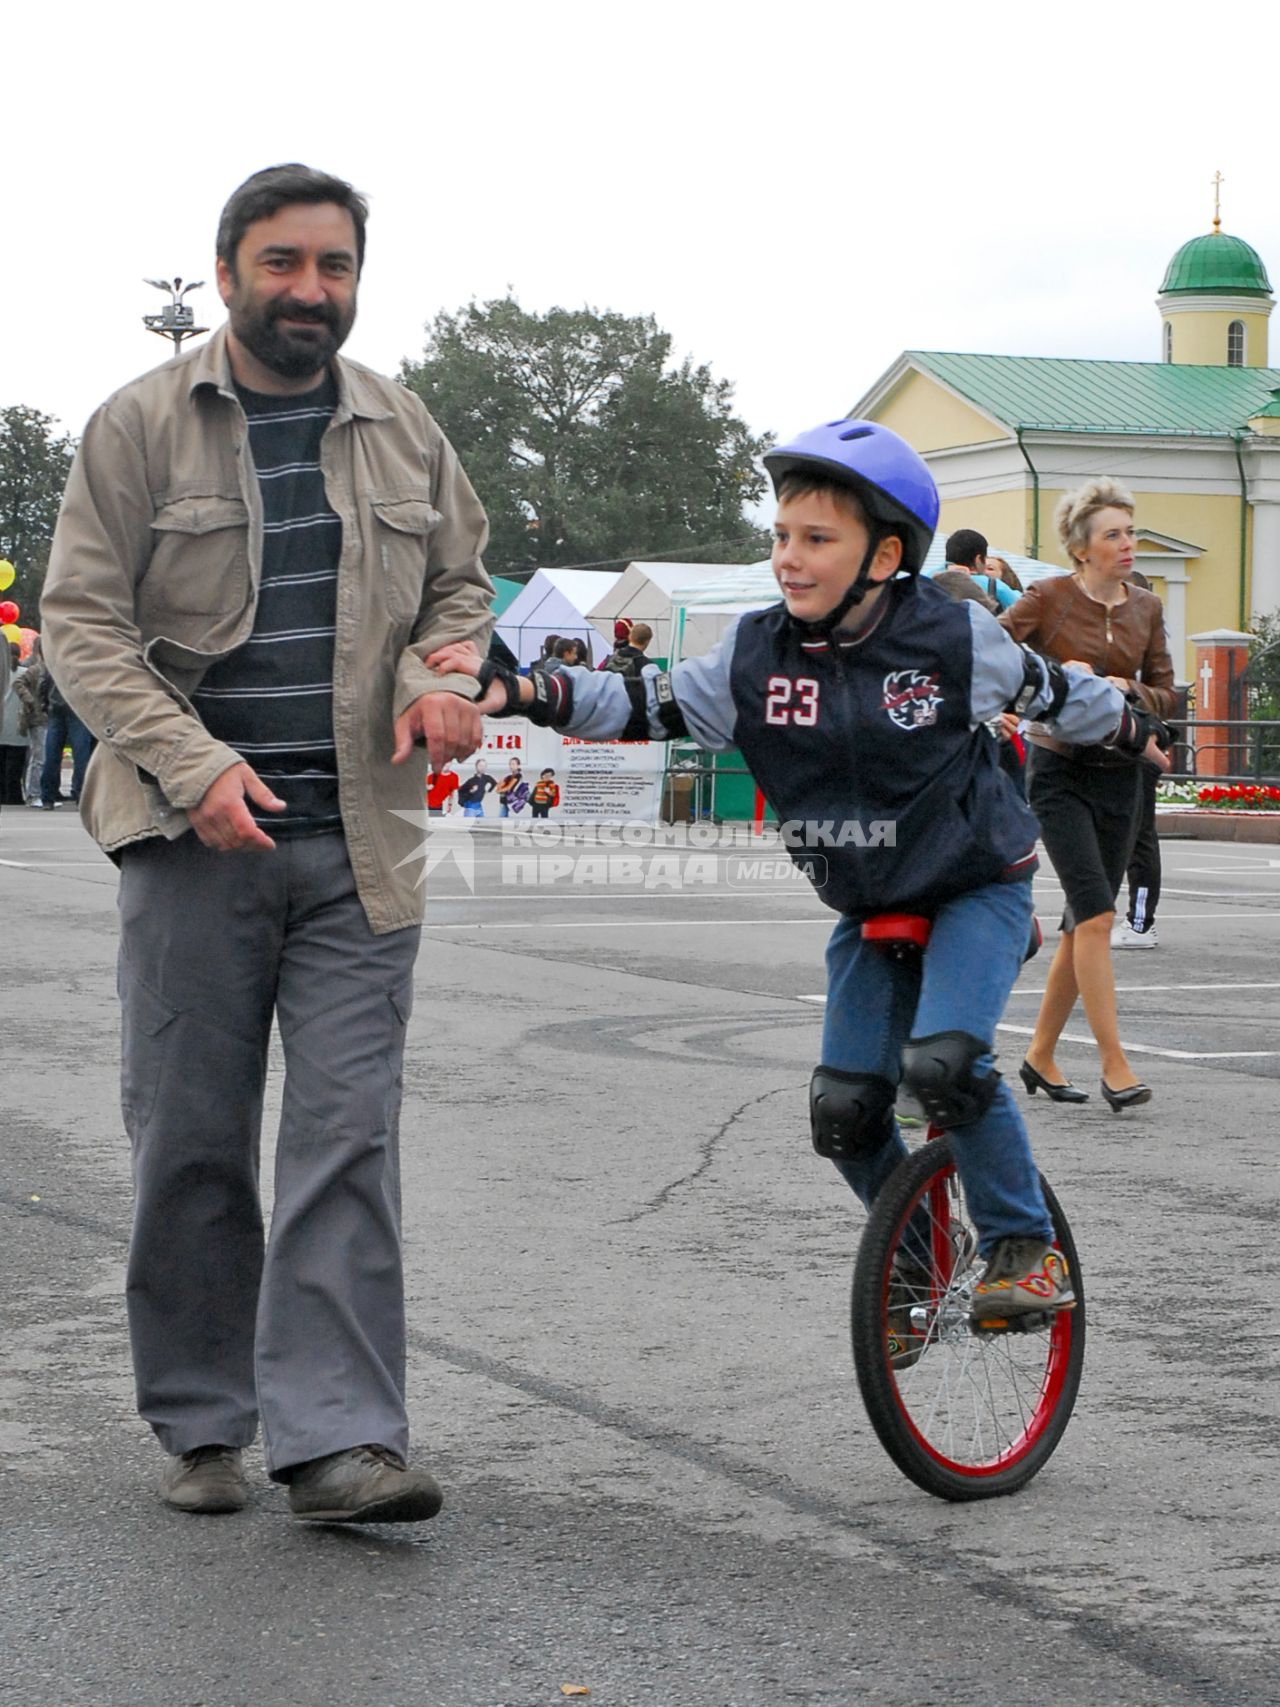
{"x":966,"y":1413}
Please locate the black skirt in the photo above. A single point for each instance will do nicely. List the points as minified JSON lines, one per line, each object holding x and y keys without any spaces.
{"x":1088,"y":819}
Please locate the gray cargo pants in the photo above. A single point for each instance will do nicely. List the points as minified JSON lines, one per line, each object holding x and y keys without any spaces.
{"x":306,"y":1334}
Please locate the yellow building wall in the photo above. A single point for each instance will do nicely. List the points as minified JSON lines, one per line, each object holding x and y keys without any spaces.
{"x":1001,"y":517}
{"x":931,"y":418}
{"x":1200,"y":338}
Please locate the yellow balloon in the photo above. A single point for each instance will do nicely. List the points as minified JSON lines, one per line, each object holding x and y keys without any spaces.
{"x":11,"y":631}
{"x":7,"y":573}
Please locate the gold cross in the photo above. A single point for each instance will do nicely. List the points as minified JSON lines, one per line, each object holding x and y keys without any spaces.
{"x":1218,"y":181}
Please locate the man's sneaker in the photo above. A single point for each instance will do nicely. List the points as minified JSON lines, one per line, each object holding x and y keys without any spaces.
{"x":366,"y":1484}
{"x":909,"y":1289}
{"x":1023,"y":1277}
{"x":207,"y":1480}
{"x":1123,"y":935}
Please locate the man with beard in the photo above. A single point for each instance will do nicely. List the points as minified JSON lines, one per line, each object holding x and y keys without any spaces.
{"x":260,"y":543}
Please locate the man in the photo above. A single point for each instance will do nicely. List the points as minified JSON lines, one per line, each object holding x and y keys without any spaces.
{"x":260,"y":541}
{"x":628,"y":655}
{"x":967,"y":549}
{"x":63,"y":729}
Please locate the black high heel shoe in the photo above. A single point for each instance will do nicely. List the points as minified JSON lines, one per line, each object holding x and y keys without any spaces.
{"x":1056,"y":1093}
{"x":1126,"y":1099}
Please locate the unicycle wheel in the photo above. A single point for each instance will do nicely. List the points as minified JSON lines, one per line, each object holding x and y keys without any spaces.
{"x":966,"y":1414}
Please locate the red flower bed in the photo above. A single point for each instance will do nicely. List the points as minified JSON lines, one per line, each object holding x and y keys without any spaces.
{"x":1241,"y":797}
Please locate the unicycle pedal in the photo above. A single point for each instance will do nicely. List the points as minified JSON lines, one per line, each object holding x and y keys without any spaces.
{"x":1031,"y":1322}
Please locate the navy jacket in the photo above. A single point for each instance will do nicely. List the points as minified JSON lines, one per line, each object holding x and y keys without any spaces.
{"x":874,"y":753}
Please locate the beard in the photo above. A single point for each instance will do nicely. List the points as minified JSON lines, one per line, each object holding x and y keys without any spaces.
{"x":293,"y":352}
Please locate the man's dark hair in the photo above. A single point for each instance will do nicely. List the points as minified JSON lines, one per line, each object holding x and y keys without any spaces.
{"x":965,"y":547}
{"x":266,"y":192}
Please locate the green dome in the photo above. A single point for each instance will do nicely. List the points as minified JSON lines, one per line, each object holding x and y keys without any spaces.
{"x":1216,"y":264}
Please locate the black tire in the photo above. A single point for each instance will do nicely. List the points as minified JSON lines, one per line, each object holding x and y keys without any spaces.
{"x":975,"y":1415}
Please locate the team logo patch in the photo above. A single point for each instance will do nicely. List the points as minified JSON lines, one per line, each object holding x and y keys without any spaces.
{"x":912,"y":698}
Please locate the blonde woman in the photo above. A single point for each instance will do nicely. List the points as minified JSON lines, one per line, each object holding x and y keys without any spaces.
{"x":1088,"y":798}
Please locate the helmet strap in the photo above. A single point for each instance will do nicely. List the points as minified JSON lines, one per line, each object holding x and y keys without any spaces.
{"x":857,"y":590}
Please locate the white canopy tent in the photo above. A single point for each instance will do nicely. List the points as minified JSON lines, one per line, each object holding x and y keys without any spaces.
{"x":643,"y":592}
{"x":701,"y":612}
{"x":556,"y":601}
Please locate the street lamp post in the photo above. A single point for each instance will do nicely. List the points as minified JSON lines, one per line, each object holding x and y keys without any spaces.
{"x":176,"y":320}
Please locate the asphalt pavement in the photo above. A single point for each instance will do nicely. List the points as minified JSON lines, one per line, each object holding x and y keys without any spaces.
{"x":628,"y":1292}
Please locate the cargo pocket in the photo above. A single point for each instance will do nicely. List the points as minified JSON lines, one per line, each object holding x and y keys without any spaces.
{"x":402,"y":527}
{"x":146,"y":1028}
{"x":199,"y":561}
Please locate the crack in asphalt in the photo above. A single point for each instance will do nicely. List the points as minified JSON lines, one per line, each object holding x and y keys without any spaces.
{"x":1165,"y":1662}
{"x":708,"y":1148}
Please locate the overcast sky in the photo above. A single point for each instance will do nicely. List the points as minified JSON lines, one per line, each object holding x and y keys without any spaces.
{"x":796,"y":193}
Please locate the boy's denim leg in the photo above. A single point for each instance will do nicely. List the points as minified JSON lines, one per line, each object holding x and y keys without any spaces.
{"x":870,"y":1001}
{"x":976,"y":949}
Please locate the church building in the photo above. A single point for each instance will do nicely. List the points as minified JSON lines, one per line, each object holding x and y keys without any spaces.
{"x":1194,"y":436}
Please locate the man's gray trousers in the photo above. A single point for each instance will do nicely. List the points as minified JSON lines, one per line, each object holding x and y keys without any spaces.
{"x":305,"y":1333}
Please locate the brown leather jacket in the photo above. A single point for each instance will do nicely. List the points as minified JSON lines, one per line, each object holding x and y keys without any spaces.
{"x":1058,"y":618}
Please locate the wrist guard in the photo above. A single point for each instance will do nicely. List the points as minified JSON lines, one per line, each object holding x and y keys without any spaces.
{"x":552,"y":694}
{"x":1135,"y":729}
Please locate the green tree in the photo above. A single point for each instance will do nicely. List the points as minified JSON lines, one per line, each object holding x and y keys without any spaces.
{"x":585,"y":442}
{"x":34,"y":464}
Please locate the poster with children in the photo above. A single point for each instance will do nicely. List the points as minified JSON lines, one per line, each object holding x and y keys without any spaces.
{"x":525,"y":773}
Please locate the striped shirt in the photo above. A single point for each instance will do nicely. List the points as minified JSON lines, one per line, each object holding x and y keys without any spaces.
{"x":272,"y":698}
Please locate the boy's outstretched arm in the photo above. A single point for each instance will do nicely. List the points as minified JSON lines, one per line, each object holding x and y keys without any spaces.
{"x":691,"y":700}
{"x":1079,"y":706}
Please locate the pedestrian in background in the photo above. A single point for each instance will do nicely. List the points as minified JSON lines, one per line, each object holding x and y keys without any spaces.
{"x":63,"y":729}
{"x":260,"y":782}
{"x":966,"y":549}
{"x":30,"y":684}
{"x":1087,"y":797}
{"x":13,"y":735}
{"x":1142,"y":876}
{"x":1003,"y":570}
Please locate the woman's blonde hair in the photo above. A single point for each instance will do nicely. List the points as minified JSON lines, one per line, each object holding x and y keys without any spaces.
{"x":1075,"y":512}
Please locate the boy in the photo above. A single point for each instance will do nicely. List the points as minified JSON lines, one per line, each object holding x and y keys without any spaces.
{"x":546,"y":794}
{"x":859,"y":704}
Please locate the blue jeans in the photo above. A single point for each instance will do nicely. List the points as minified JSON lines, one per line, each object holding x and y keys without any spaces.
{"x":64,"y":729}
{"x":962,"y":983}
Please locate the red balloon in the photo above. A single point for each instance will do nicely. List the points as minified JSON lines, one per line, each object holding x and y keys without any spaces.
{"x":8,"y":611}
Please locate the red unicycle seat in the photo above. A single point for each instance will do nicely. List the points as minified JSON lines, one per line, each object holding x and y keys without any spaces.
{"x":898,"y":934}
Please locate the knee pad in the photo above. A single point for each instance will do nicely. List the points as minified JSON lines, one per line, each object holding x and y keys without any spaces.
{"x":938,"y":1071}
{"x":851,"y":1114}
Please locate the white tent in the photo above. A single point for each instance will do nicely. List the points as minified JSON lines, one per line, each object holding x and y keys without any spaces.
{"x":556,"y":601}
{"x":643,"y":592}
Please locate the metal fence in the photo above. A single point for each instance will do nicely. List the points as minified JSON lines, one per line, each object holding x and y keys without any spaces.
{"x":1249,"y":748}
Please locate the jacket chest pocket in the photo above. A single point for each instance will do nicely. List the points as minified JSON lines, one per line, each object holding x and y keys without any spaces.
{"x":199,"y":561}
{"x":401,"y":533}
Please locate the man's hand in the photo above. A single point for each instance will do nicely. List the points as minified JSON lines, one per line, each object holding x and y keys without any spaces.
{"x":222,"y":819}
{"x":445,"y":723}
{"x":458,"y":658}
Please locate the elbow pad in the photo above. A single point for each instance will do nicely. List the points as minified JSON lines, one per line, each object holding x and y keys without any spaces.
{"x":1040,"y":676}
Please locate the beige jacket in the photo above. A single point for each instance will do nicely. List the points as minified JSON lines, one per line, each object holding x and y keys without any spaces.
{"x":154,"y":576}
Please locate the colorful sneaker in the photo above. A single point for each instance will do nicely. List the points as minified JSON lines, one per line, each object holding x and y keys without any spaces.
{"x":1023,"y":1277}
{"x":1124,"y":936}
{"x":909,"y":1289}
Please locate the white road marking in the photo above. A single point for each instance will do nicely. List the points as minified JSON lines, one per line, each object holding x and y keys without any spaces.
{"x":1134,"y":1048}
{"x":1150,"y":1048}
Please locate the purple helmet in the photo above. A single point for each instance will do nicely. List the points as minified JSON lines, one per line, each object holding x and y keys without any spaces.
{"x":892,"y":482}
